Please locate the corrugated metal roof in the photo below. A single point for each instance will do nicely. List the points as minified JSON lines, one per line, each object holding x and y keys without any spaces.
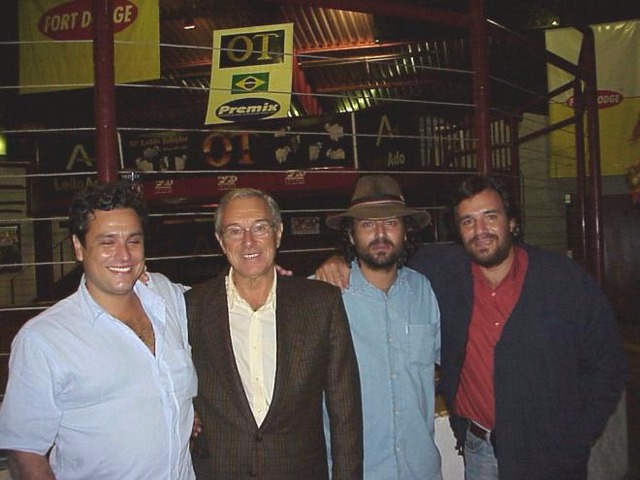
{"x":345,"y":60}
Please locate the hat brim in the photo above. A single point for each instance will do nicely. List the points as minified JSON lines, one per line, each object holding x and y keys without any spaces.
{"x":378,"y":212}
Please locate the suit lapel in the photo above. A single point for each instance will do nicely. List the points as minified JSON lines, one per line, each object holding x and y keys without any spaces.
{"x":221,"y":349}
{"x":290,"y":341}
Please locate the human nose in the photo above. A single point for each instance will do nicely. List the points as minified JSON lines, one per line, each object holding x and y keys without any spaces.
{"x":247,"y":235}
{"x":480,"y":225}
{"x":380,"y":231}
{"x":123,"y":250}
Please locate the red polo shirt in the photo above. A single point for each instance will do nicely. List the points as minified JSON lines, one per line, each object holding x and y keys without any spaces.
{"x":491,"y":309}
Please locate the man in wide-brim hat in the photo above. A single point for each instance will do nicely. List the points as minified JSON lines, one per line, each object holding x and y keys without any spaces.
{"x":395,"y":323}
{"x":377,"y":197}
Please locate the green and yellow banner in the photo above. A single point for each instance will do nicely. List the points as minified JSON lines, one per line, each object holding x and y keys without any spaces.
{"x":618,"y":78}
{"x":56,"y":49}
{"x":251,"y":72}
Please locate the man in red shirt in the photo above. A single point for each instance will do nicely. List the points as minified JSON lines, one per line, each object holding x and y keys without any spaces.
{"x":532,"y":364}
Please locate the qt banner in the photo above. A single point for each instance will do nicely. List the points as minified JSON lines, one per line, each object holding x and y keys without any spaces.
{"x":618,"y":78}
{"x":250,"y":74}
{"x":56,"y":48}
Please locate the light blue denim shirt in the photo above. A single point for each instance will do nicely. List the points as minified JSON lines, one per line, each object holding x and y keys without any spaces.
{"x":397,"y":340}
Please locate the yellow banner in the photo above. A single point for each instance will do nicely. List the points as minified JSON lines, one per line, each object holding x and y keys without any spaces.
{"x":618,"y":77}
{"x":251,"y":73}
{"x":56,"y":43}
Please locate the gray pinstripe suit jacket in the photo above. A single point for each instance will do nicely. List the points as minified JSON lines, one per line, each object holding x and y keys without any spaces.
{"x":315,"y":356}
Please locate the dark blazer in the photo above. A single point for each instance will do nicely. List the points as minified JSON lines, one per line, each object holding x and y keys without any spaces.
{"x":559,"y":366}
{"x":315,"y":356}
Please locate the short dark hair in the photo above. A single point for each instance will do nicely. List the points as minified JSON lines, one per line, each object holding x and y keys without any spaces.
{"x":479,"y":183}
{"x":105,"y":197}
{"x":411,"y":244}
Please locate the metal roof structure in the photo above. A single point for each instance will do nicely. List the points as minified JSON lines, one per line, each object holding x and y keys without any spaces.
{"x":350,"y":55}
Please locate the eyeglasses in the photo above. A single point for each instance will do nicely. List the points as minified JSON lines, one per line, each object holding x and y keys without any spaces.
{"x":236,"y":232}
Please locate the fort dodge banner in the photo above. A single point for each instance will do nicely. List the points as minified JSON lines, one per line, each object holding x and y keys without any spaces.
{"x":618,"y":78}
{"x":250,"y":74}
{"x":56,"y":49}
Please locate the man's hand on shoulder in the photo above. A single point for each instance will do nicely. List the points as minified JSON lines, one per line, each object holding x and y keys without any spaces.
{"x":283,"y":271}
{"x":144,"y":276}
{"x":334,"y":271}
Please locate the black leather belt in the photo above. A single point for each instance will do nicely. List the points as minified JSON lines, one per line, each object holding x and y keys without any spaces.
{"x":478,"y":431}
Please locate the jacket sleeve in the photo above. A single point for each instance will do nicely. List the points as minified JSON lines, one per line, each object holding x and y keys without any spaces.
{"x":602,"y":362}
{"x":343,"y":397}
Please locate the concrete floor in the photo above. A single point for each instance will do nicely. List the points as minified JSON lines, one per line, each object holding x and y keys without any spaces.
{"x":631,"y":338}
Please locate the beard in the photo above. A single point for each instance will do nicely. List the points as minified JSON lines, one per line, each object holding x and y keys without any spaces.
{"x":493,"y":259}
{"x":380,"y":260}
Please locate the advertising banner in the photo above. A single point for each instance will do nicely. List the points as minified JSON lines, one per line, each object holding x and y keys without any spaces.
{"x":158,"y":151}
{"x":618,"y":78}
{"x":411,"y":138}
{"x":287,"y":144}
{"x":70,"y":161}
{"x":251,"y":72}
{"x":56,"y":49}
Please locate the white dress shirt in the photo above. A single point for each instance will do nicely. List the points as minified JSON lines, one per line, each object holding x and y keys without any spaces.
{"x":253,"y":336}
{"x":84,"y":382}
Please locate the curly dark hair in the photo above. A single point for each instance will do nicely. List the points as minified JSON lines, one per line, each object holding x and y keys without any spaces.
{"x":479,"y":183}
{"x":105,"y":197}
{"x":411,"y":244}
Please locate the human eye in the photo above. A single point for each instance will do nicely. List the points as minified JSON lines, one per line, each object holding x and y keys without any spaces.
{"x":106,"y":241}
{"x":466,"y":222}
{"x":366,"y":224}
{"x":260,"y":229}
{"x":233,"y":232}
{"x":391,"y":223}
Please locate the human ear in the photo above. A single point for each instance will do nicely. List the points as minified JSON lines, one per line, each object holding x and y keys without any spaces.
{"x":78,"y":249}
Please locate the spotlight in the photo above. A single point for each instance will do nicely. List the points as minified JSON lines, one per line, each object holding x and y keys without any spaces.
{"x":189,"y":23}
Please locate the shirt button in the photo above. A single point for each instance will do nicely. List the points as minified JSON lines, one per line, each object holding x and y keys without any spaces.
{"x":493,"y":294}
{"x":497,"y":324}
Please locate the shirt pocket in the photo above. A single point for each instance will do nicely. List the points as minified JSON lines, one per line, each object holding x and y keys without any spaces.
{"x":422,"y":339}
{"x":182,"y":373}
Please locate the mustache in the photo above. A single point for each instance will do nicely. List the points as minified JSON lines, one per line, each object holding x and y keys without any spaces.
{"x":484,"y":236}
{"x":381,"y":241}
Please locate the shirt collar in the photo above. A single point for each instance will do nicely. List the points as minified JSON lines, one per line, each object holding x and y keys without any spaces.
{"x":515,"y":271}
{"x":93,"y":311}
{"x":357,"y":280}
{"x":234,"y":298}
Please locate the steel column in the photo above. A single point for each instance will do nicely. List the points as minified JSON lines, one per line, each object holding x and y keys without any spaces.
{"x":104,"y":91}
{"x":481,"y":87}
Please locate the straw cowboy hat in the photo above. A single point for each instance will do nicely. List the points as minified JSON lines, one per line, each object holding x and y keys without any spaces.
{"x":377,"y":197}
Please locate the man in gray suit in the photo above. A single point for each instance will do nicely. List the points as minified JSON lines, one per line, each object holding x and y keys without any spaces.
{"x":268,"y":349}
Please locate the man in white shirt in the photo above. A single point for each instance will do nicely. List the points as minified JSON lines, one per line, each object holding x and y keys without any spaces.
{"x":101,"y":384}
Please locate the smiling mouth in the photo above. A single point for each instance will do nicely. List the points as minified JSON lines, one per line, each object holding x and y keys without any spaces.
{"x":250,"y":256}
{"x":121,"y":269}
{"x":484,"y":240}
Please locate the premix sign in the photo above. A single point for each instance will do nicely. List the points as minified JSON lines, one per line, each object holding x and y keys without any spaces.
{"x":250,"y":74}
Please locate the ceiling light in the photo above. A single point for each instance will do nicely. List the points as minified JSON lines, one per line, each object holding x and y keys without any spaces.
{"x":189,"y":23}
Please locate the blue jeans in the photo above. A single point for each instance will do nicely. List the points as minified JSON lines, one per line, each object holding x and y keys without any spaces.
{"x":480,"y":463}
